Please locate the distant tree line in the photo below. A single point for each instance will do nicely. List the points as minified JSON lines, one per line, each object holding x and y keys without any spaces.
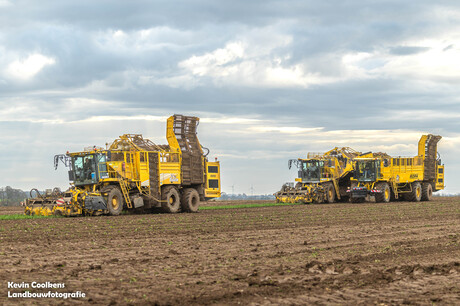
{"x":11,"y":197}
{"x":226,"y":196}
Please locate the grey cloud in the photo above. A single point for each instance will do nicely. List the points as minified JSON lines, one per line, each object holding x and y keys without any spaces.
{"x":408,"y":50}
{"x":90,"y":67}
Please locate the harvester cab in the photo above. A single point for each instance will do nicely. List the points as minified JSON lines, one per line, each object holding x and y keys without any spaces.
{"x":367,"y":170}
{"x":311,"y":170}
{"x":88,"y":168}
{"x":366,"y":173}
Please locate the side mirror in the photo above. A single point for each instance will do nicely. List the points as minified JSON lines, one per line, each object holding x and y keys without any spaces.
{"x":71,"y":176}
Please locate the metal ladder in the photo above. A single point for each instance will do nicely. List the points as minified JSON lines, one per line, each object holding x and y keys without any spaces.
{"x":124,"y":190}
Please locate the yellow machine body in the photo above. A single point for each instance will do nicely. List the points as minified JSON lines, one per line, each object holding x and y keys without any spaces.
{"x":410,"y":178}
{"x":137,"y":174}
{"x":322,"y":177}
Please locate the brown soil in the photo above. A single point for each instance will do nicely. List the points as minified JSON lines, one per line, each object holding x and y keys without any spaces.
{"x":398,"y":253}
{"x":8,"y":210}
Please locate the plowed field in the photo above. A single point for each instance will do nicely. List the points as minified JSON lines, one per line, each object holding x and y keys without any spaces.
{"x":398,"y":253}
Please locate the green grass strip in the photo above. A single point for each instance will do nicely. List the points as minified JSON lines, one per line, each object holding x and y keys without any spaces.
{"x":247,"y":206}
{"x":21,"y":216}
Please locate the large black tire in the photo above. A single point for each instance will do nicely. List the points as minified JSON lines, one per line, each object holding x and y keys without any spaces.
{"x":115,"y":201}
{"x":190,"y":201}
{"x":416,"y":194}
{"x":385,"y":193}
{"x":427,"y":192}
{"x":330,"y":193}
{"x":171,"y":199}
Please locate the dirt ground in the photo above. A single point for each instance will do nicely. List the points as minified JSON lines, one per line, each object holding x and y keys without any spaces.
{"x":398,"y":253}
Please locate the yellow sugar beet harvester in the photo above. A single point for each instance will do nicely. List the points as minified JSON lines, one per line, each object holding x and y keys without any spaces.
{"x":389,"y":178}
{"x":322,"y":177}
{"x":135,"y":173}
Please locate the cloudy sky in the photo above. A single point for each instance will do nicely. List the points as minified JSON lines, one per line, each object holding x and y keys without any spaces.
{"x":270,"y":80}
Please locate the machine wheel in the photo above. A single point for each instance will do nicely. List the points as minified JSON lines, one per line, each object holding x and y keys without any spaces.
{"x":190,"y":200}
{"x":427,"y":192}
{"x":330,"y":193}
{"x":171,"y":199}
{"x":416,"y":194}
{"x":384,"y":195}
{"x":115,"y":201}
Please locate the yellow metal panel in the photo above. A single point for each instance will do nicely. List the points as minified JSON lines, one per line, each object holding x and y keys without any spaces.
{"x":170,"y":136}
{"x":169,"y":173}
{"x":211,"y":192}
{"x":440,"y":178}
{"x":421,"y":146}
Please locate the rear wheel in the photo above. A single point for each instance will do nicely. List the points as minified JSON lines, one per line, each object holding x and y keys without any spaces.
{"x":190,"y":200}
{"x":330,"y":193}
{"x":115,"y":201}
{"x":427,"y":192}
{"x":385,"y":193}
{"x":171,"y":199}
{"x":416,"y":194}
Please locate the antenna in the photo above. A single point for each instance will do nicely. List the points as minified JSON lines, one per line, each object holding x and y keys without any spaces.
{"x":252,"y":190}
{"x":233,"y":189}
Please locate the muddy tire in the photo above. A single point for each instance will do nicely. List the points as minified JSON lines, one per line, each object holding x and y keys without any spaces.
{"x":330,"y":193}
{"x":115,"y":201}
{"x":416,"y":194}
{"x":427,"y":192}
{"x":190,"y":201}
{"x":385,"y":193}
{"x":171,"y":200}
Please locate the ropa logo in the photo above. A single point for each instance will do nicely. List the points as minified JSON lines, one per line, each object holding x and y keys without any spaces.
{"x":414,"y":175}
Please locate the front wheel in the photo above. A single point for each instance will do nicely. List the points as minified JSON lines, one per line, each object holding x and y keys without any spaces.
{"x":330,"y":193}
{"x":385,"y":193}
{"x":115,"y":201}
{"x":416,"y":194}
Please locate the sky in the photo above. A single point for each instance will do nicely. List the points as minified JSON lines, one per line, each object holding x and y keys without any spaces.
{"x":270,"y":80}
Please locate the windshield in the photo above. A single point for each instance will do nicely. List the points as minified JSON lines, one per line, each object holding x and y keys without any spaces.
{"x":311,"y":170}
{"x":366,"y":171}
{"x":89,"y":168}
